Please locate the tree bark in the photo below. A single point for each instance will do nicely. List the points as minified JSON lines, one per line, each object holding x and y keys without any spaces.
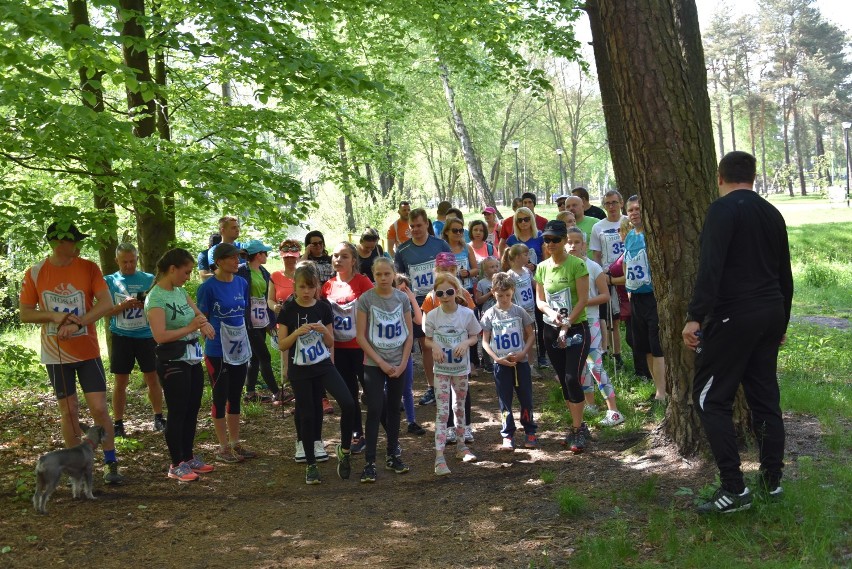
{"x":108,"y":233}
{"x":659,"y":75}
{"x":622,"y":166}
{"x":474,"y":166}
{"x":797,"y":140}
{"x":152,"y":224}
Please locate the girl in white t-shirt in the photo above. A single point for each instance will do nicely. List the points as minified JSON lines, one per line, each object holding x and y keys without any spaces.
{"x":450,"y":331}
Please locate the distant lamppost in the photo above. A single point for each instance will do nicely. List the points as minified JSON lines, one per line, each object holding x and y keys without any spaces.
{"x":561,"y":182}
{"x":516,"y":144}
{"x":846,"y":127}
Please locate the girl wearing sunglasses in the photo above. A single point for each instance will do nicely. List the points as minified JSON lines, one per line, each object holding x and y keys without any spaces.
{"x":450,"y":331}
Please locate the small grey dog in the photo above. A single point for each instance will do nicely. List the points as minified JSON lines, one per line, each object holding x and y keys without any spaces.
{"x":77,"y":462}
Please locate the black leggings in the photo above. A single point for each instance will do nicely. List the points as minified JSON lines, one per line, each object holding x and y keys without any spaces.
{"x":261,"y":361}
{"x":350,"y":365}
{"x":382,"y":407}
{"x":541,"y":344}
{"x":183,"y":385}
{"x":569,"y":362}
{"x":309,"y":392}
{"x":227,"y":381}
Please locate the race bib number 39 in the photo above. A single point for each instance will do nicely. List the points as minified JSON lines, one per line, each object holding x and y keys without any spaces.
{"x":524,"y":296}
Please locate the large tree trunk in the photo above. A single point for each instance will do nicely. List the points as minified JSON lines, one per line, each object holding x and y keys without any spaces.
{"x":797,"y":140}
{"x":108,"y":233}
{"x":823,"y":168}
{"x":731,"y":120}
{"x":152,"y":224}
{"x":474,"y":167}
{"x":347,"y":189}
{"x":660,"y":78}
{"x":164,"y":128}
{"x":616,"y":138}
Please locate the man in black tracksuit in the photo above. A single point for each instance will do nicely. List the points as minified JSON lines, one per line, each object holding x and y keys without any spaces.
{"x":736,"y":322}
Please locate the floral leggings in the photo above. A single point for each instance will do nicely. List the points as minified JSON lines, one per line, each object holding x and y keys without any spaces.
{"x":443,"y":396}
{"x":594,"y":371}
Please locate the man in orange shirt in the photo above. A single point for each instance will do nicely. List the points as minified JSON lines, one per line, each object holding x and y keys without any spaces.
{"x":399,"y":231}
{"x":59,"y":293}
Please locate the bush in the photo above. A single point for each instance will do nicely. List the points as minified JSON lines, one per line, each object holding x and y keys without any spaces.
{"x":818,"y":275}
{"x":19,"y":366}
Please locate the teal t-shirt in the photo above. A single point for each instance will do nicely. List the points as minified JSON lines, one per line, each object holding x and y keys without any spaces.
{"x":560,"y":284}
{"x":131,"y":322}
{"x":178,"y":314}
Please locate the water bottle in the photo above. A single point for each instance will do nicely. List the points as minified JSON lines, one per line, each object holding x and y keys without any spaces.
{"x":574,"y":340}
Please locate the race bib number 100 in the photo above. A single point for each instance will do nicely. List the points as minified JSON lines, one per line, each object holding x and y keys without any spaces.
{"x":310,"y":349}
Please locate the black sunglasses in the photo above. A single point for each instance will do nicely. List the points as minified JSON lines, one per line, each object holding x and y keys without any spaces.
{"x":316,"y":243}
{"x":290,"y":249}
{"x":523,"y":220}
{"x":549,"y":239}
{"x":448,"y":292}
{"x":457,"y":230}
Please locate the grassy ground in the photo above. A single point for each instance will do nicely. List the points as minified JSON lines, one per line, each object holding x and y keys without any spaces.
{"x":809,"y":528}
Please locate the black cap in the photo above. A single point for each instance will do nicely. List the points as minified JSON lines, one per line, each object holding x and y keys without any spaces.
{"x":555,"y":228}
{"x":57,"y":231}
{"x":225,"y":250}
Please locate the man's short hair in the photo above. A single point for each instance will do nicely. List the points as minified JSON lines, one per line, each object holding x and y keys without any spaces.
{"x":402,"y":203}
{"x":738,"y":167}
{"x":126,"y":248}
{"x":561,"y":199}
{"x":444,"y":207}
{"x":581,"y":193}
{"x":633,"y":198}
{"x":419,"y":213}
{"x":613,"y":193}
{"x":225,"y":220}
{"x":529,"y":196}
{"x":516,"y":203}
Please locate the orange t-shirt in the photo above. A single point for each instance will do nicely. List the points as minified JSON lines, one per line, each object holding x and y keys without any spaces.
{"x":401,"y":236}
{"x":429,"y":302}
{"x":283,"y":285}
{"x":65,"y":289}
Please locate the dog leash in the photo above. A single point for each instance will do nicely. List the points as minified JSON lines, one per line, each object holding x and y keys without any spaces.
{"x":77,"y":433}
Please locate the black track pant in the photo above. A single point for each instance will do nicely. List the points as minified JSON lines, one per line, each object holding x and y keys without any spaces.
{"x":741,"y":349}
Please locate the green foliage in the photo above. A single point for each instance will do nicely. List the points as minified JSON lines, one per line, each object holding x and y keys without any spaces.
{"x":547,"y":476}
{"x":20,"y":366}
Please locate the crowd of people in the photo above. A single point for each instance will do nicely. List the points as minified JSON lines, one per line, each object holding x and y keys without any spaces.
{"x":471,"y":298}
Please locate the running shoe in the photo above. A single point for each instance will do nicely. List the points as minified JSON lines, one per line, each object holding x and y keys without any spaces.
{"x":369,"y":473}
{"x":199,"y":466}
{"x":228,"y":456}
{"x":395,"y":463}
{"x":415,"y":429}
{"x":182,"y":472}
{"x":578,"y":445}
{"x":451,"y":435}
{"x":312,"y":475}
{"x":441,"y":468}
{"x":508,"y":444}
{"x":530,"y":441}
{"x":584,"y":429}
{"x":242,"y":451}
{"x":768,"y":487}
{"x":358,"y":444}
{"x":468,"y":434}
{"x":542,"y":362}
{"x":319,"y":451}
{"x":159,"y":423}
{"x":465,"y":455}
{"x":428,"y":397}
{"x":300,"y":452}
{"x":612,"y":418}
{"x":327,"y":409}
{"x":724,"y":502}
{"x":254,"y":397}
{"x":344,"y":466}
{"x":282,"y":397}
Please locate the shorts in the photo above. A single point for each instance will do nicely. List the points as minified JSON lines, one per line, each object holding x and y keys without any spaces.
{"x":126,"y":351}
{"x":418,"y":330}
{"x":646,"y":324}
{"x":611,"y":305}
{"x":63,"y":377}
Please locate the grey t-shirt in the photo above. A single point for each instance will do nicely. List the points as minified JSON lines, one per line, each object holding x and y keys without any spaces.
{"x":484,"y":287}
{"x":507,"y":329}
{"x":386,"y":329}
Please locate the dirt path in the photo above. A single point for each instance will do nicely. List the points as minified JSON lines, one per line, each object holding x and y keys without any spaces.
{"x":494,"y":513}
